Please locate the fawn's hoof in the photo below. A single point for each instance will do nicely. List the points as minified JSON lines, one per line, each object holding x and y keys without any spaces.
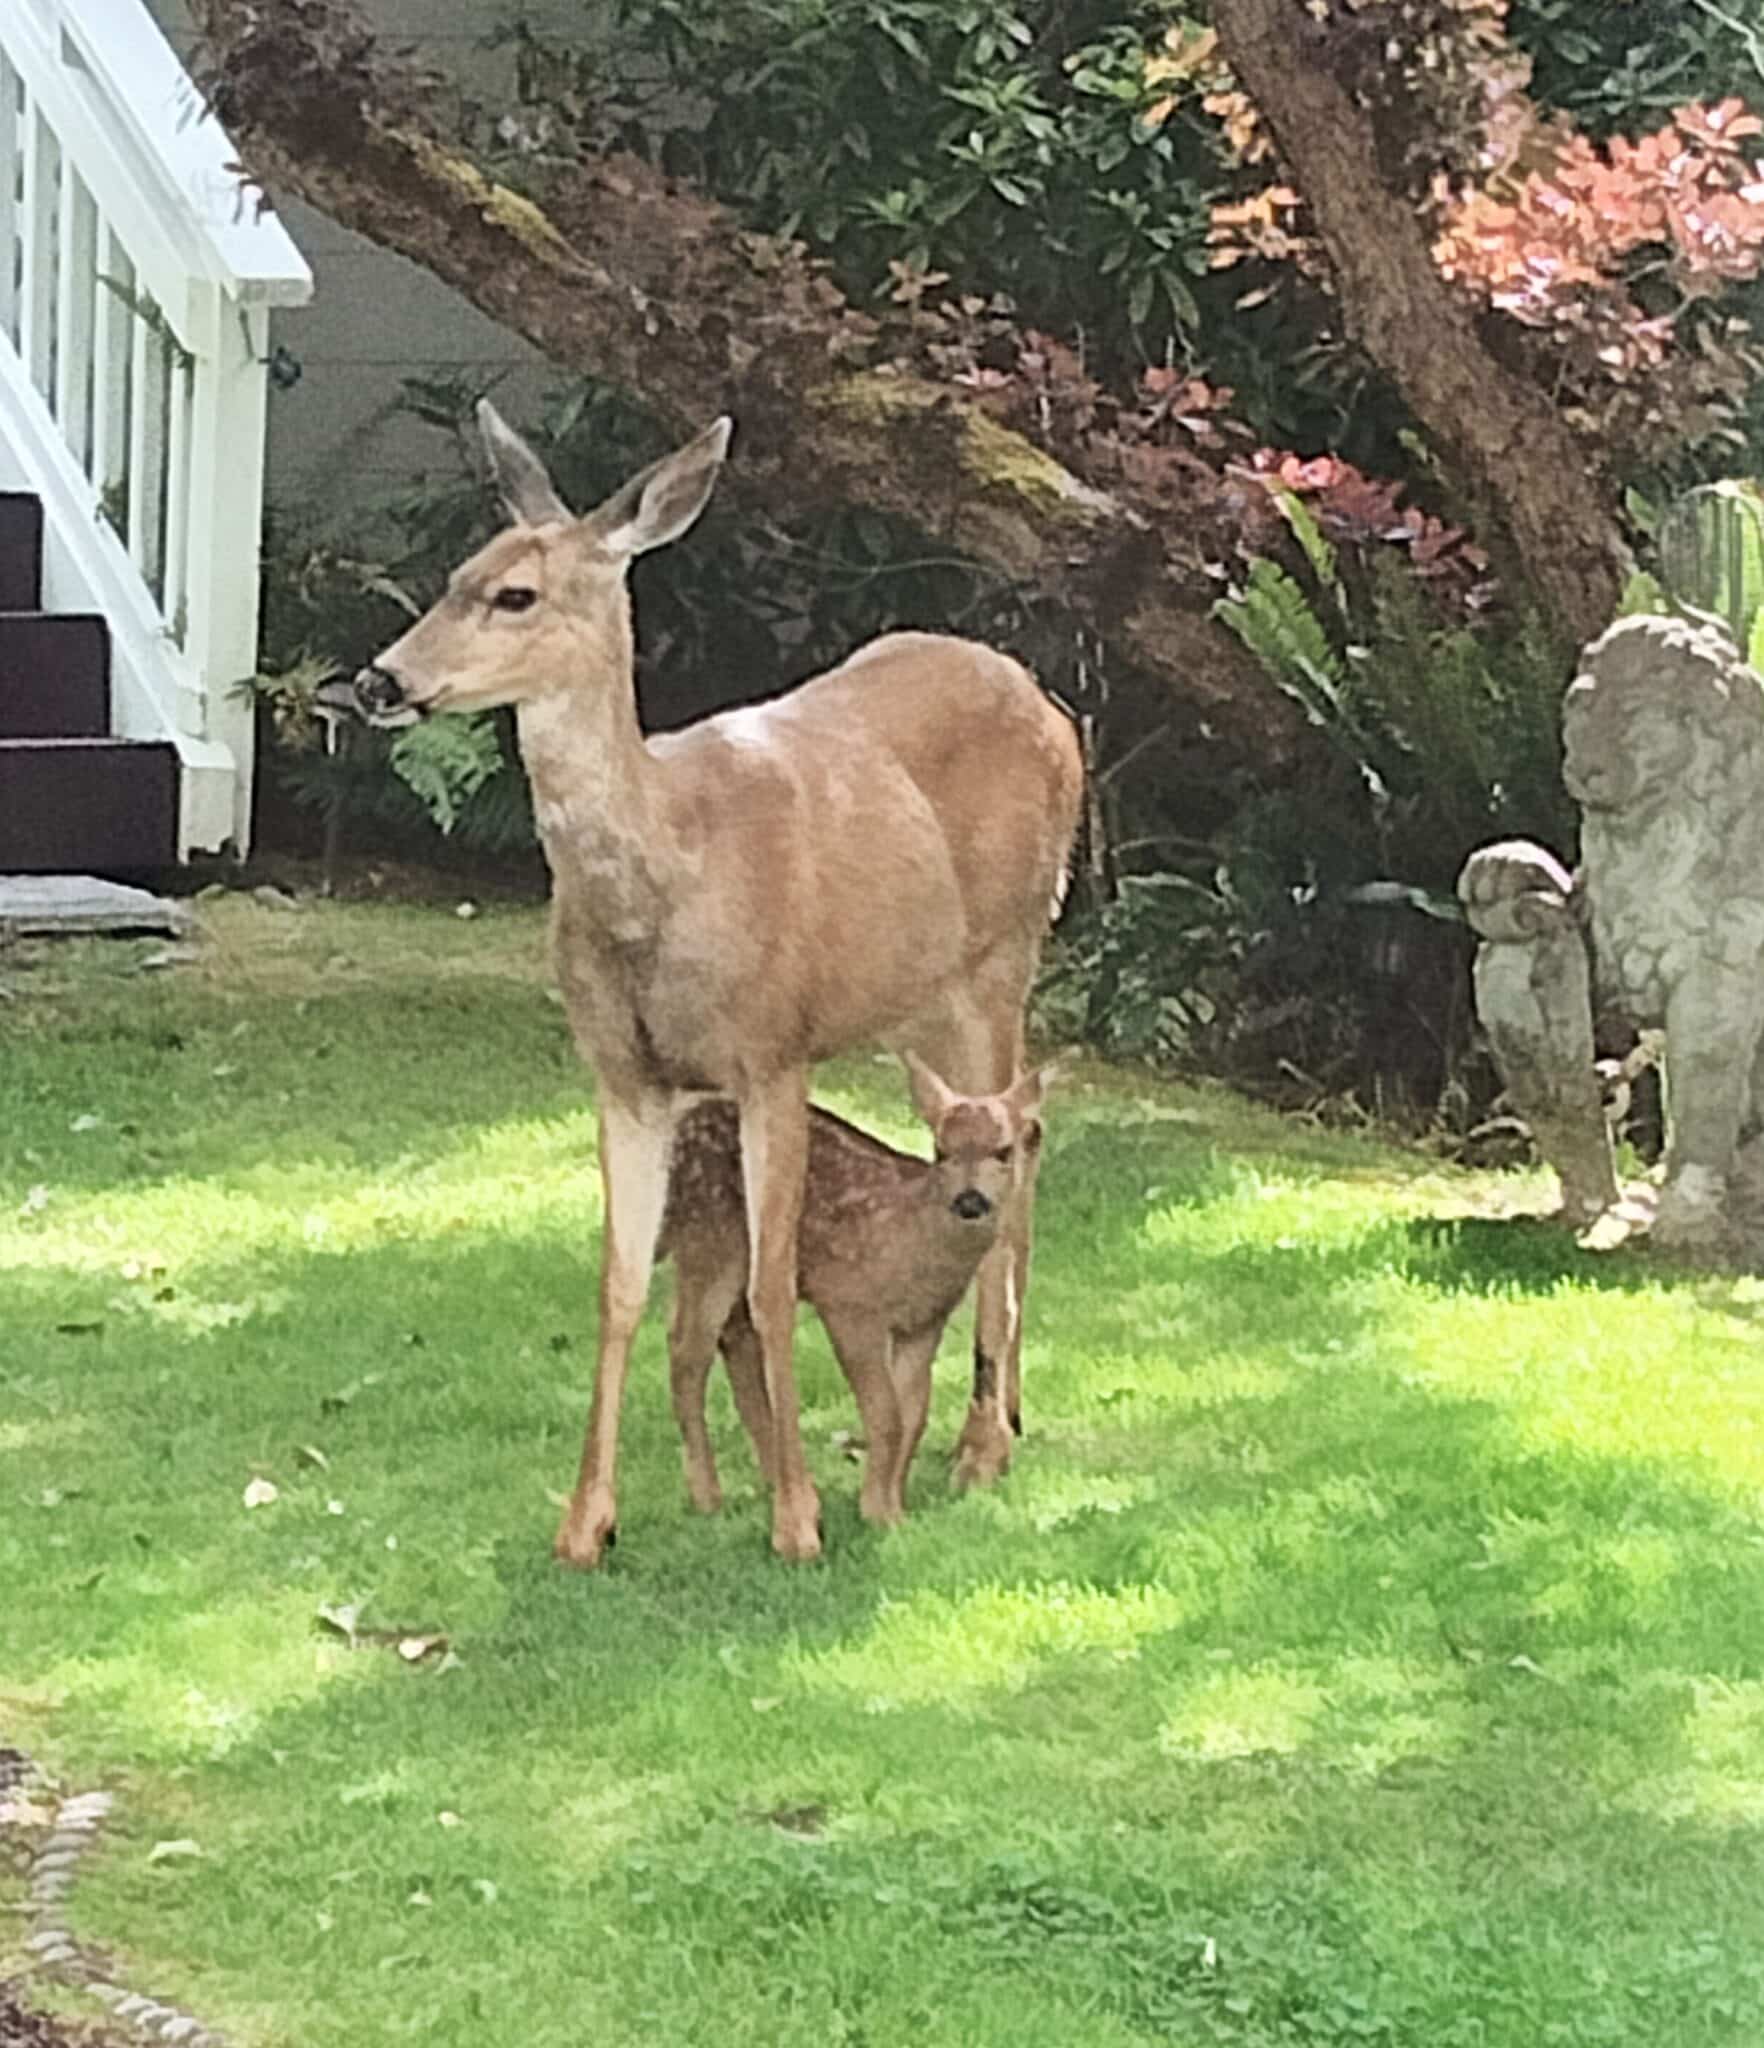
{"x":588,"y":1531}
{"x":706,"y":1495}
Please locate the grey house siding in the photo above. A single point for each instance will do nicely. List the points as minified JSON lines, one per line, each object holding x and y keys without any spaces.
{"x":376,"y":318}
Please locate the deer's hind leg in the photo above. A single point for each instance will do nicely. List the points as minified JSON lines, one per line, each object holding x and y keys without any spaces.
{"x":705,"y":1297}
{"x":740,"y":1347}
{"x":774,"y":1162}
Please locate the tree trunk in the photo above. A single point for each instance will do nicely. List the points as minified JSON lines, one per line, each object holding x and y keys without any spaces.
{"x":626,"y":277}
{"x":1536,"y":495}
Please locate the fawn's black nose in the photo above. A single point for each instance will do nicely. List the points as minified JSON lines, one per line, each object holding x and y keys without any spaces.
{"x":378,"y":691}
{"x":971,"y":1205}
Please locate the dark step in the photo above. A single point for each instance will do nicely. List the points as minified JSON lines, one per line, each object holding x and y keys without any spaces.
{"x":21,"y":552}
{"x":54,"y":676}
{"x":87,"y":806}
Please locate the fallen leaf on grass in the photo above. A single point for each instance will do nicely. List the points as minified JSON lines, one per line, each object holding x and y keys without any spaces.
{"x":162,"y":1852}
{"x":87,"y":1122}
{"x":413,"y":1645}
{"x":339,"y":1620}
{"x":310,"y":1454}
{"x":260,"y":1493}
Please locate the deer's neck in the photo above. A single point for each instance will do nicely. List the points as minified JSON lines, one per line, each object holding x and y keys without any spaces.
{"x":596,"y":798}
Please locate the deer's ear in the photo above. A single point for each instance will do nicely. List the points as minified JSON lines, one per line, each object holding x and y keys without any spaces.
{"x":521,"y":481}
{"x":1025,"y":1096}
{"x":933,"y":1097}
{"x":662,"y":501}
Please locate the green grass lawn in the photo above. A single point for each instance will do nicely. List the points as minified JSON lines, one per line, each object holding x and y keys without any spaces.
{"x":1368,"y":1646}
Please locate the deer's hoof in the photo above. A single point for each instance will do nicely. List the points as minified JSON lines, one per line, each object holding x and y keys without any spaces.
{"x":796,"y":1533}
{"x":984,"y":1453}
{"x":588,"y":1531}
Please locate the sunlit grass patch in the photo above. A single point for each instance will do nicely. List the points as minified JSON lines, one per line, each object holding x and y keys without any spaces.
{"x":1363,"y":1649}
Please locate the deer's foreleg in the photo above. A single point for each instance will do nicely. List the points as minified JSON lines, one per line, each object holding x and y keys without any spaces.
{"x":703,"y":1300}
{"x":774,"y":1160}
{"x":635,"y":1140}
{"x":912,"y":1387}
{"x":865,"y":1350}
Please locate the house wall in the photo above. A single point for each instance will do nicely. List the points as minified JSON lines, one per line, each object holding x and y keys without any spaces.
{"x":376,"y":318}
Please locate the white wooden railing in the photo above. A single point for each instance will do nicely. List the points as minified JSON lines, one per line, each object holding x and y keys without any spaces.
{"x":136,"y":277}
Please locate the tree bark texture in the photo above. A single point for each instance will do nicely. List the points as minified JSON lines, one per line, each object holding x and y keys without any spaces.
{"x":1536,"y":497}
{"x":627,"y":277}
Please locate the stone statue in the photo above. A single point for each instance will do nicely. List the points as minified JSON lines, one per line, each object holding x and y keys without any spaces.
{"x":1663,"y":733}
{"x":1534,"y":997}
{"x":1664,"y":753}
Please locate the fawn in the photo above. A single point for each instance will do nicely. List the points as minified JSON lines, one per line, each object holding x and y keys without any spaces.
{"x":886,"y":1248}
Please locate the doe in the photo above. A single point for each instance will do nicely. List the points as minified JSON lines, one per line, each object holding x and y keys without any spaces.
{"x":871,"y":858}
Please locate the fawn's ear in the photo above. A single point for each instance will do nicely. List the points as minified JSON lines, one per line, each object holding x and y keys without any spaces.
{"x":1024,"y":1097}
{"x":933,"y":1097}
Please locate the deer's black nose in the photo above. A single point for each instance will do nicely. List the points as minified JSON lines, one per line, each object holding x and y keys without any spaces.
{"x":377,"y":691}
{"x":971,"y":1205}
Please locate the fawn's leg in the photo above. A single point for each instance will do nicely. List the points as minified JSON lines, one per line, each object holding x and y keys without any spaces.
{"x":740,"y":1347}
{"x":703,"y":1301}
{"x":635,"y":1139}
{"x":912,"y":1387}
{"x":864,"y":1348}
{"x":774,"y":1160}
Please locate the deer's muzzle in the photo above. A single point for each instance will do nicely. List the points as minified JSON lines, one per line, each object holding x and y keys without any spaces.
{"x":971,"y":1205}
{"x":381,"y":698}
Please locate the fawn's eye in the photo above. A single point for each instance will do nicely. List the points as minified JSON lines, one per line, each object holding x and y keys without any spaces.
{"x":514,"y":597}
{"x":1004,"y":1157}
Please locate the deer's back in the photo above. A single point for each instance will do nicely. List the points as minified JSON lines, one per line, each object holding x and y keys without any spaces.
{"x":864,"y":1240}
{"x":866,"y":843}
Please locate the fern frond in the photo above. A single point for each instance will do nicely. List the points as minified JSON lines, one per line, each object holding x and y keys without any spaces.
{"x":445,"y":761}
{"x":1317,"y":551}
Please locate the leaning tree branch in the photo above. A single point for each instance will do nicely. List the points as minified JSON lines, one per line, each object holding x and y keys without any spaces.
{"x":1536,"y":492}
{"x":626,"y":276}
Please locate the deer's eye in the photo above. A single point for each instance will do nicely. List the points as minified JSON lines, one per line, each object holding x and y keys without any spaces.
{"x":514,"y":598}
{"x":1004,"y":1157}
